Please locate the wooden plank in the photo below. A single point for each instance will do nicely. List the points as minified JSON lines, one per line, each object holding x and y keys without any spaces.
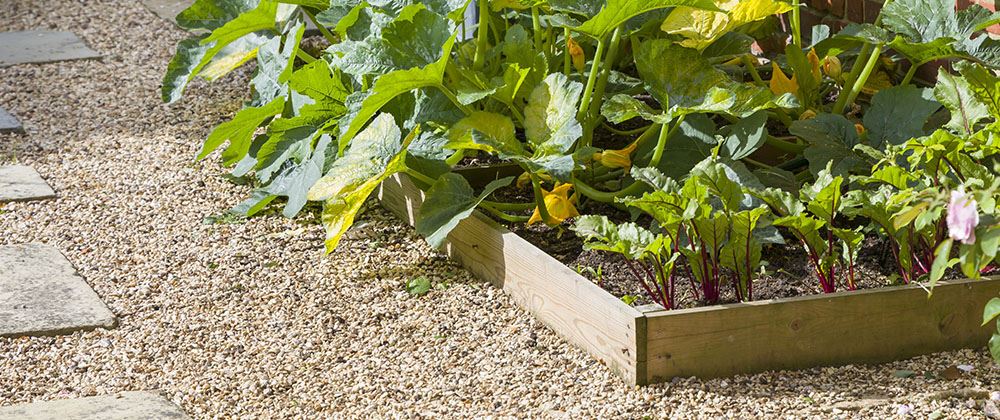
{"x":867,"y":326}
{"x":574,"y":307}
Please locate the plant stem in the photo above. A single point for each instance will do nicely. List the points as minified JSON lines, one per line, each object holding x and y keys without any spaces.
{"x":510,"y":206}
{"x":796,"y":27}
{"x":419,"y":176}
{"x":748,"y":63}
{"x":482,"y":32}
{"x":909,"y":73}
{"x":322,"y":29}
{"x":602,"y":82}
{"x":503,"y":216}
{"x":536,"y":28}
{"x":454,"y":99}
{"x":785,"y":146}
{"x":866,"y":72}
{"x":591,"y":81}
{"x":543,"y":211}
{"x":661,"y":142}
{"x":567,"y":68}
{"x":631,"y":132}
{"x":304,"y":56}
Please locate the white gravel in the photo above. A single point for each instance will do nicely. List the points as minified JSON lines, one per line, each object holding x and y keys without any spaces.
{"x":251,"y":320}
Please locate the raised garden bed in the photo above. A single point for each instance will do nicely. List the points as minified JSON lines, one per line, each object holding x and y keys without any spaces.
{"x":648,"y":344}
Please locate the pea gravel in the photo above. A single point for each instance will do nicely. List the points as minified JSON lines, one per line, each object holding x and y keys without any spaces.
{"x":247,"y":318}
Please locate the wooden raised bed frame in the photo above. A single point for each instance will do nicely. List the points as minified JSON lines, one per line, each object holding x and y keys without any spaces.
{"x":649,"y":345}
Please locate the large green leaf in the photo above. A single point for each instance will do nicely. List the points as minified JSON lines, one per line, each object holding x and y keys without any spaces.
{"x":898,"y":114}
{"x":293,"y":182}
{"x":239,"y":131}
{"x":984,"y":85}
{"x":746,"y":136}
{"x":690,"y":145}
{"x":498,"y":135}
{"x":226,"y":48}
{"x":617,"y":12}
{"x":189,"y":54}
{"x":742,"y":252}
{"x":691,"y":87}
{"x":932,"y":29}
{"x":550,"y":117}
{"x":449,"y":201}
{"x":415,"y":38}
{"x":627,"y":239}
{"x":375,"y":154}
{"x":991,"y":311}
{"x":394,"y":84}
{"x":274,"y":66}
{"x":212,"y":14}
{"x":956,"y":95}
{"x":831,"y":139}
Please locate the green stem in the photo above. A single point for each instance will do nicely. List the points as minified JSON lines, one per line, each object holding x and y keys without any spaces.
{"x":454,"y":99}
{"x":910,"y":73}
{"x":501,"y":215}
{"x":748,"y":63}
{"x":796,"y":27}
{"x":863,"y":56}
{"x":661,"y":143}
{"x":536,"y":28}
{"x":602,"y":82}
{"x":758,"y":164}
{"x":863,"y":78}
{"x":784,"y":146}
{"x":567,"y":68}
{"x":304,"y":56}
{"x":482,"y":34}
{"x":631,"y":132}
{"x":455,"y":158}
{"x":420,"y":176}
{"x":606,"y":197}
{"x":543,"y":211}
{"x":591,"y":81}
{"x":509,"y":206}
{"x":322,"y":29}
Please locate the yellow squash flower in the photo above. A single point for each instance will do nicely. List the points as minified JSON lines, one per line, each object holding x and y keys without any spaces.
{"x":620,"y":158}
{"x":781,"y":84}
{"x":814,"y":64}
{"x":576,"y":54}
{"x":832,"y":67}
{"x":559,"y":205}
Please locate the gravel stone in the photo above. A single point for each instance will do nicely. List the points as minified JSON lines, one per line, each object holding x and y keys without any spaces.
{"x":248,"y":319}
{"x":9,"y":124}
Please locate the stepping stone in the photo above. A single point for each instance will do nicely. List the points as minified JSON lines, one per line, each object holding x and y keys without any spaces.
{"x":22,"y":183}
{"x":41,"y":294}
{"x":9,"y":124}
{"x":122,"y":406}
{"x":41,"y":47}
{"x":167,"y":9}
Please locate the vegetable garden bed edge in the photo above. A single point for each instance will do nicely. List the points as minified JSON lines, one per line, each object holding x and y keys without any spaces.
{"x":649,"y":344}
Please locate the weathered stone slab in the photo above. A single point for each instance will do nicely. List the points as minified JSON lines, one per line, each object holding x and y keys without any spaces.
{"x":123,"y":406}
{"x":42,"y":47}
{"x":41,"y":294}
{"x":23,"y":183}
{"x":167,"y":9}
{"x":9,"y":124}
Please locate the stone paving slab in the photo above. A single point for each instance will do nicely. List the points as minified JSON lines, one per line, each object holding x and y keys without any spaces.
{"x":42,"y":47}
{"x":167,"y":9}
{"x":9,"y":124}
{"x":23,"y":183}
{"x":41,"y":294}
{"x":123,"y":406}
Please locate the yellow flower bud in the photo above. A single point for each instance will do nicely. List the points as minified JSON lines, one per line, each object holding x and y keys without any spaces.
{"x":620,"y":158}
{"x":832,"y":67}
{"x":576,"y":54}
{"x":860,"y":129}
{"x":807,"y":114}
{"x":558,"y":204}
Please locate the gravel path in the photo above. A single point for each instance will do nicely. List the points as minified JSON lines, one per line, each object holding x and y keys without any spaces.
{"x":249,"y":319}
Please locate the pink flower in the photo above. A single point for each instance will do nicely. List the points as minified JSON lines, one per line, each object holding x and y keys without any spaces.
{"x":962,"y":217}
